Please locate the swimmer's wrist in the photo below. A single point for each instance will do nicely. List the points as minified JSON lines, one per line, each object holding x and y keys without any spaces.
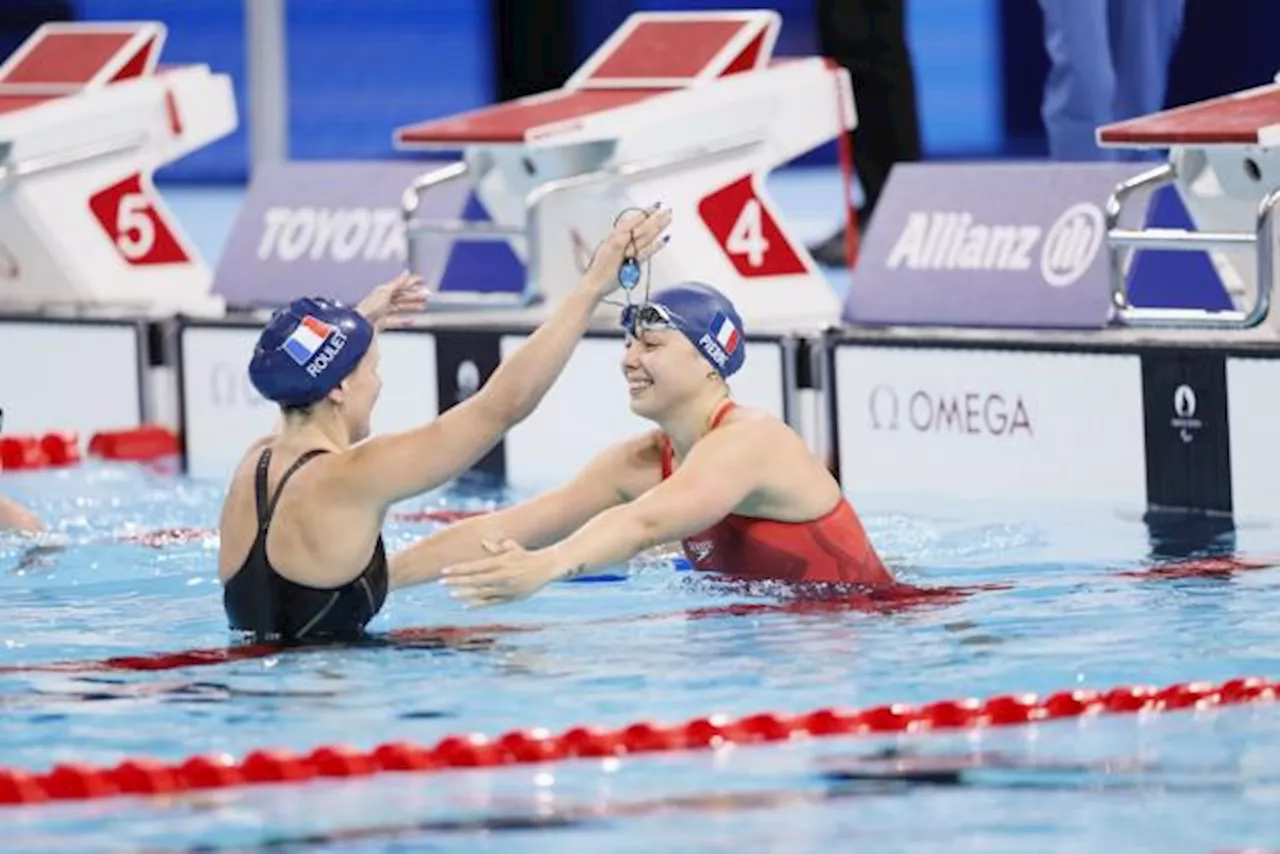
{"x":595,"y":283}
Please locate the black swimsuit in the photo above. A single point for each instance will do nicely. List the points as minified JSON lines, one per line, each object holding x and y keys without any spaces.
{"x":258,"y":599}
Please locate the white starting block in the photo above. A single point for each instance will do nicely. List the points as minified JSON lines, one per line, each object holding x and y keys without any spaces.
{"x":1224,"y":159}
{"x":85,"y":120}
{"x":686,"y":108}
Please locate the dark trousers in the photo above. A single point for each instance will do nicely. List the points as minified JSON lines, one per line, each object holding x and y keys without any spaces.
{"x":20,"y":18}
{"x":868,"y":37}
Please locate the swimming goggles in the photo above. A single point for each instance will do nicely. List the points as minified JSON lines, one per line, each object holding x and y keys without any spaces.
{"x":648,"y":315}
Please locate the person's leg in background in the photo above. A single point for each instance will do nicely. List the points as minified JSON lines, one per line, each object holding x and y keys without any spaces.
{"x":1144,"y":36}
{"x":868,"y":37}
{"x":1080,"y":88}
{"x":20,"y":18}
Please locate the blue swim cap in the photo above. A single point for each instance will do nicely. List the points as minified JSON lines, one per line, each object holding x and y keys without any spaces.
{"x":703,"y":314}
{"x":306,"y":349}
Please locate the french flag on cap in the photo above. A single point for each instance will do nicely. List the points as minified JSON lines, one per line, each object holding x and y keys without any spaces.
{"x":307,"y":339}
{"x":725,"y":333}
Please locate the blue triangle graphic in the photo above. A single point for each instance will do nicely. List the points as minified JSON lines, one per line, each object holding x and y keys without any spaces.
{"x":474,"y":210}
{"x":1167,"y":278}
{"x":484,"y":266}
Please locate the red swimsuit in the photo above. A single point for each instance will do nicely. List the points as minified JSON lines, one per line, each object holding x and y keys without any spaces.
{"x":832,"y":548}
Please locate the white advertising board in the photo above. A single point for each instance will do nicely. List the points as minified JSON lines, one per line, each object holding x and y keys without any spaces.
{"x":1254,"y":424}
{"x":223,"y":414}
{"x":587,"y":409}
{"x":70,"y":375}
{"x":990,"y":423}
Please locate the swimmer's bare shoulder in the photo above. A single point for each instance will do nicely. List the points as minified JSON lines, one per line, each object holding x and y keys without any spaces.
{"x":775,"y":437}
{"x":239,"y":514}
{"x":791,"y":477}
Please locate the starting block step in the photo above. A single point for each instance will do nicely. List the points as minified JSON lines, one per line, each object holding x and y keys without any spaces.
{"x":686,"y":108}
{"x":86,"y":118}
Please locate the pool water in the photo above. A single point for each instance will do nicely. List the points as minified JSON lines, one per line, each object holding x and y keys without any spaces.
{"x":1074,"y":600}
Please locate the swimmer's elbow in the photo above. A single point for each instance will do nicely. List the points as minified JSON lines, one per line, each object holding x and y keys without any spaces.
{"x":648,"y":530}
{"x":502,"y":411}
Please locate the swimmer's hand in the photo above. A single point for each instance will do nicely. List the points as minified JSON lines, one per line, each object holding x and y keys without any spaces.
{"x":639,"y":235}
{"x":388,"y":305}
{"x":511,"y":573}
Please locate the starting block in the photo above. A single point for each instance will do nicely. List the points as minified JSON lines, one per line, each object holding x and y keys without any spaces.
{"x":85,"y":120}
{"x":1224,"y":160}
{"x":687,"y":108}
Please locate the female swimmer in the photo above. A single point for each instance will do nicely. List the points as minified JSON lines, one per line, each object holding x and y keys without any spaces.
{"x":738,"y":487}
{"x":308,"y":562}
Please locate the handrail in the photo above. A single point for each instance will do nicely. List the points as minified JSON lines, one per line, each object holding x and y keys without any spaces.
{"x":67,"y":157}
{"x":1122,"y":243}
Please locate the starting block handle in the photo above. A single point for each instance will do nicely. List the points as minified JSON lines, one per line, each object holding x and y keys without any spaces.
{"x":69,"y":157}
{"x":411,"y":201}
{"x":1122,"y":243}
{"x":1180,"y":239}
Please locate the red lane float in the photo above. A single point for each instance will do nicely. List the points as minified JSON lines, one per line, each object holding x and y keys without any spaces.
{"x":76,"y":781}
{"x":145,"y":443}
{"x":138,"y":444}
{"x":24,"y":452}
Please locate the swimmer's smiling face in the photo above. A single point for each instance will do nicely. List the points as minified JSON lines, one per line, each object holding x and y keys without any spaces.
{"x":663,"y":370}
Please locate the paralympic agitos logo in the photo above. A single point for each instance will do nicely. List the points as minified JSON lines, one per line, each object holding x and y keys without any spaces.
{"x":967,"y":412}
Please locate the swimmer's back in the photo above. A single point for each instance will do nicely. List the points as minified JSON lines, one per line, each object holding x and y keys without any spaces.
{"x":296,"y":563}
{"x":301,"y":540}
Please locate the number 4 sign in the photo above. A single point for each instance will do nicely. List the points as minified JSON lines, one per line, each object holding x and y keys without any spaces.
{"x":134,"y":224}
{"x":747,"y":234}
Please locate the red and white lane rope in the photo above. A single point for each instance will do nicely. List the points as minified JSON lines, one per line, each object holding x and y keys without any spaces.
{"x":141,"y":776}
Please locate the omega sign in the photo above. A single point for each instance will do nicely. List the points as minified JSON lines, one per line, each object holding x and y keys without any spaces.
{"x":971,"y":412}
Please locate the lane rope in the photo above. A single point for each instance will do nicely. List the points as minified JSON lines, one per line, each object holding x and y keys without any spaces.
{"x":71,"y":781}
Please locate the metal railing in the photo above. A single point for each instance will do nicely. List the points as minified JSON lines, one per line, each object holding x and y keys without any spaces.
{"x":1123,"y":243}
{"x":411,"y":201}
{"x":70,"y":156}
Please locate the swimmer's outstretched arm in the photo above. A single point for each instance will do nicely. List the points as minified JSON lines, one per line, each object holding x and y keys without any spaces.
{"x":15,"y":517}
{"x":614,"y":476}
{"x":721,"y":471}
{"x":387,"y":469}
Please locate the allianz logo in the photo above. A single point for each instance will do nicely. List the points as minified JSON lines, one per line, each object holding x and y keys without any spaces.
{"x":332,"y":234}
{"x":942,"y":240}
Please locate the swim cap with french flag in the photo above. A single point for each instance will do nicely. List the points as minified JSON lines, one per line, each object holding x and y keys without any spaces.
{"x":306,"y":349}
{"x":704,"y":315}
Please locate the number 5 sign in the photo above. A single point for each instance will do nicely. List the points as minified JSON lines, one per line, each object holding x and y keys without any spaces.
{"x":134,"y":224}
{"x":747,"y":234}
